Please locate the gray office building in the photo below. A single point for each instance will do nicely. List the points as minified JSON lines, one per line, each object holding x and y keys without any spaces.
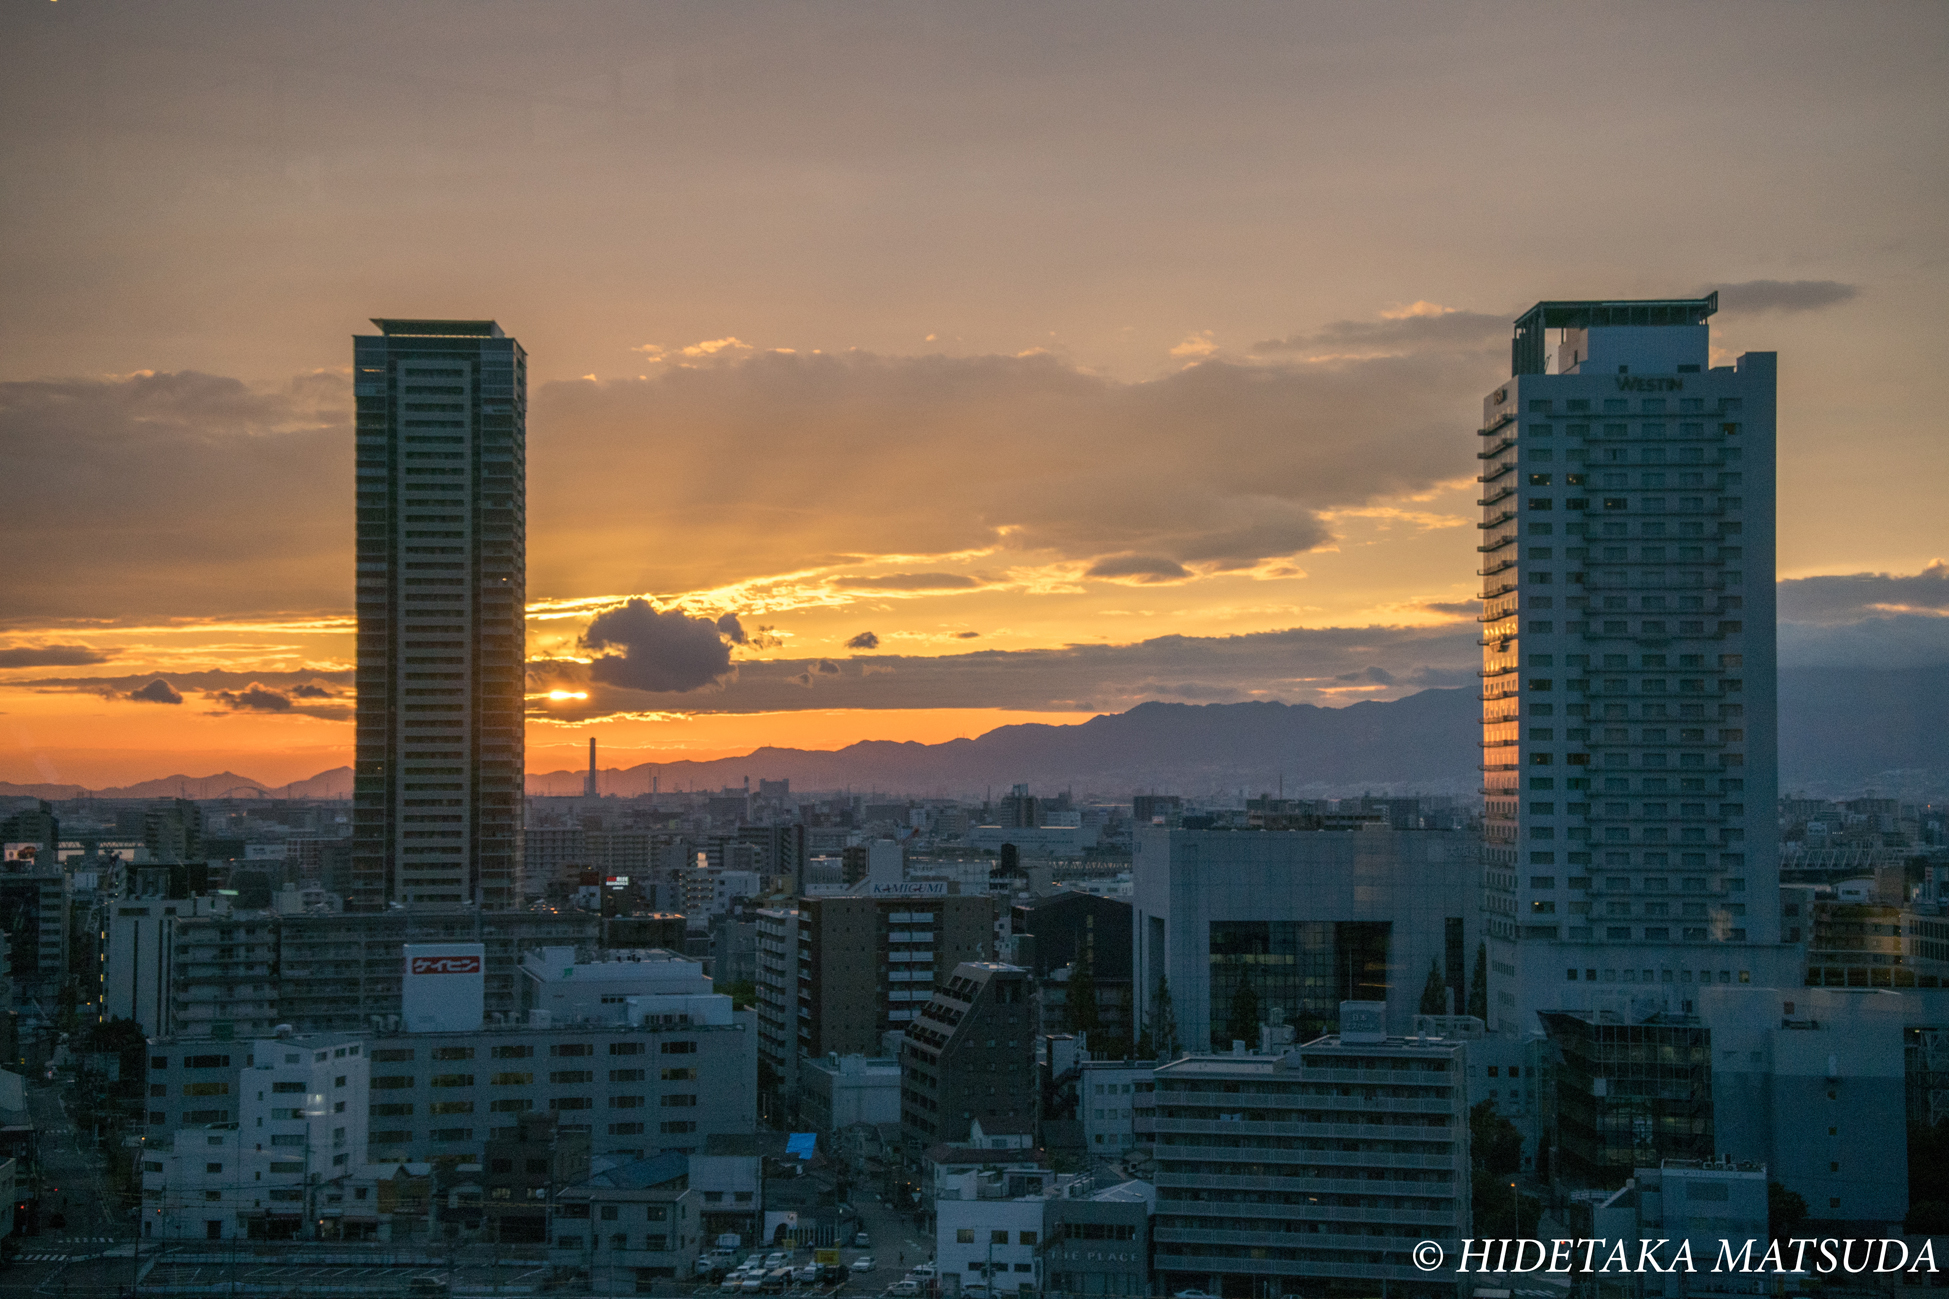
{"x":630,"y":1089}
{"x":437,"y":788}
{"x":1306,"y":918}
{"x":1319,"y":1166}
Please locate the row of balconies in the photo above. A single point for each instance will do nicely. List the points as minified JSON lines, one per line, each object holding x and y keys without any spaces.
{"x":1241,"y":1128}
{"x":1331,"y":1186}
{"x":1434,"y":1219}
{"x":1295,"y":1180}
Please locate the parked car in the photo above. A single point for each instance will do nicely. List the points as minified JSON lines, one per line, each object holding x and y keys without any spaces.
{"x":731,"y":1283}
{"x":905,"y":1288}
{"x":863,"y":1264}
{"x":806,"y":1275}
{"x":862,"y":1241}
{"x":832,"y":1274}
{"x":1193,"y":1294}
{"x":776,"y":1280}
{"x":777,"y":1258}
{"x":753,"y":1283}
{"x":924,"y":1272}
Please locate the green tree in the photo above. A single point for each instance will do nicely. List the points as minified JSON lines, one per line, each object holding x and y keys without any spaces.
{"x":1785,"y":1211}
{"x":1479,"y":984}
{"x":742,"y":992}
{"x":1495,"y":1162}
{"x":1080,"y":1011}
{"x":1242,"y":1022}
{"x":1928,"y":1178}
{"x":1163,"y":1026}
{"x":1117,"y":1046}
{"x":1434,"y":993}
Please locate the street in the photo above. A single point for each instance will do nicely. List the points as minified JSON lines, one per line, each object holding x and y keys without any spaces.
{"x":68,"y":1260}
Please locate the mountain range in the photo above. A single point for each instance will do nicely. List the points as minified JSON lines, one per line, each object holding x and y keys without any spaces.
{"x":1841,"y":729}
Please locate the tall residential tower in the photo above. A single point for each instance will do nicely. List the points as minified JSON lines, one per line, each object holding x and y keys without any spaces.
{"x":442,"y":534}
{"x":1628,"y":718}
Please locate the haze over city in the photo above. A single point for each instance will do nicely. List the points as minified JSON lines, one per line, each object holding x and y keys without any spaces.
{"x":904,"y":371}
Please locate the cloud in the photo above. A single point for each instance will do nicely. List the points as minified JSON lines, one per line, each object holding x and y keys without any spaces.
{"x":906,"y":582}
{"x":966,"y":635}
{"x":1846,"y":598}
{"x":1785,"y":295}
{"x":209,"y":680}
{"x":142,"y":446}
{"x":156,"y":692}
{"x":730,"y":629}
{"x":1895,"y":641}
{"x":662,"y":650}
{"x":1460,"y":608}
{"x":1417,"y":308}
{"x":1011,"y":451}
{"x":1403,"y":331}
{"x":52,"y":656}
{"x":866,"y":640}
{"x":253,"y":698}
{"x":1142,"y":568}
{"x":309,"y":691}
{"x":1195,"y":347}
{"x":1305,"y":665}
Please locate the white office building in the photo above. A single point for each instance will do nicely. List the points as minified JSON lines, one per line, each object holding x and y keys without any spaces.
{"x":1628,"y":718}
{"x":1116,"y":1102}
{"x":301,"y":1112}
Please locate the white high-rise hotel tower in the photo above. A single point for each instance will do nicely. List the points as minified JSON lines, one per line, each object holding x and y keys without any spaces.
{"x":1628,"y":719}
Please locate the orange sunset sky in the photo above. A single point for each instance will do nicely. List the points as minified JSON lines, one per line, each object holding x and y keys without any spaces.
{"x":984,"y":363}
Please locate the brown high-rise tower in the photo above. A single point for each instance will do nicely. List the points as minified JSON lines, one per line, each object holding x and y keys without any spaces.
{"x":442,"y":529}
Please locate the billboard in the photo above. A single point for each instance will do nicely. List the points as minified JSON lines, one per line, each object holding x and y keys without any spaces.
{"x":421,"y":964}
{"x":445,"y":987}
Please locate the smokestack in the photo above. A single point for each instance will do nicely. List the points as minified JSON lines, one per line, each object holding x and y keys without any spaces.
{"x":590,"y":789}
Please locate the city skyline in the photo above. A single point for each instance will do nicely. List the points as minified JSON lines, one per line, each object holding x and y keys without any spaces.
{"x":1002,"y":494}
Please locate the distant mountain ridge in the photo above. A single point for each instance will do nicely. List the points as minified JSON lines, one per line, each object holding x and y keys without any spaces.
{"x":1425,"y":740}
{"x":1840,"y":729}
{"x":336,"y":783}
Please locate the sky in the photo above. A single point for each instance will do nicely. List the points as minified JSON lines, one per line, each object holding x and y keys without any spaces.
{"x":898,"y":371}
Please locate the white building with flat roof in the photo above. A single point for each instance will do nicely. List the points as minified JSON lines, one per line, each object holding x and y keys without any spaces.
{"x":622,"y":988}
{"x":301,"y":1108}
{"x":1629,"y":745}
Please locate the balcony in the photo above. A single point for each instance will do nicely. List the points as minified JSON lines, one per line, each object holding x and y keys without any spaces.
{"x":1505,"y":493}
